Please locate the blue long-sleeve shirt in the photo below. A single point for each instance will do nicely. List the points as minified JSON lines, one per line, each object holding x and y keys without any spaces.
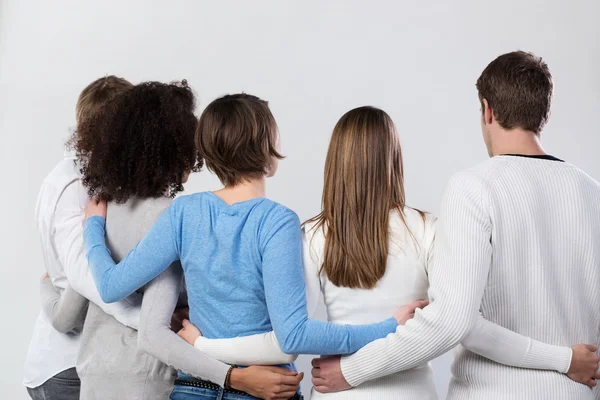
{"x":243,"y":269}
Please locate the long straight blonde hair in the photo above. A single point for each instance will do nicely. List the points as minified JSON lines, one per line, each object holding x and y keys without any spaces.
{"x":364,"y":181}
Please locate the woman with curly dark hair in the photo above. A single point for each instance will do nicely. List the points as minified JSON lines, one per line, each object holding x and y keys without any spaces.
{"x":136,"y":153}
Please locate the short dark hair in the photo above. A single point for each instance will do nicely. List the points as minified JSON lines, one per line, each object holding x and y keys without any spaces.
{"x":518,"y":87}
{"x":237,"y":138}
{"x":141,"y":144}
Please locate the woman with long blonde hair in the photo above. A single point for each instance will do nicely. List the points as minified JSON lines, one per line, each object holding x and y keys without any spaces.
{"x":367,"y":248}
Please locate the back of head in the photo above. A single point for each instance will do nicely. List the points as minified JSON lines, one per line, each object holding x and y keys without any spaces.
{"x":364,"y":181}
{"x":237,"y":138}
{"x":518,"y":88}
{"x":142,"y":143}
{"x":97,"y":94}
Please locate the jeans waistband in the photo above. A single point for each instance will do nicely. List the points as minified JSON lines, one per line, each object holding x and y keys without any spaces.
{"x":199,"y":383}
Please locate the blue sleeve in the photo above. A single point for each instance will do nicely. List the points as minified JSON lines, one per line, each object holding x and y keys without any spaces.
{"x":152,"y":255}
{"x":285,"y":292}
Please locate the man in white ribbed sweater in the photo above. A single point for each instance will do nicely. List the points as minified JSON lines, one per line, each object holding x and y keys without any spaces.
{"x":519,"y":241}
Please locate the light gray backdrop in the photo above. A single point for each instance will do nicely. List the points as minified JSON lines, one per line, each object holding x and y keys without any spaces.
{"x":313,"y":60}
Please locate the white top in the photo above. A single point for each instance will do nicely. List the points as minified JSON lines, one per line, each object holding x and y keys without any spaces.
{"x":59,"y":215}
{"x":405,"y":280}
{"x":518,"y":239}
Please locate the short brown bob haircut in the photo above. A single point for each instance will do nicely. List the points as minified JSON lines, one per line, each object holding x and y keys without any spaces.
{"x":518,"y":87}
{"x":237,"y":138}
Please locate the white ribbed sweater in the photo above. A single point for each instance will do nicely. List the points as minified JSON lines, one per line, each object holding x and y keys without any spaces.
{"x":519,"y":239}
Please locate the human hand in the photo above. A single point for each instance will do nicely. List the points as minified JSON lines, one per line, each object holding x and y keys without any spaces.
{"x":327,"y":375}
{"x":407,"y":312}
{"x":265,"y":382}
{"x":189,"y":332}
{"x":95,"y":208}
{"x":584,"y":364}
{"x":45,"y":276}
{"x":178,"y":317}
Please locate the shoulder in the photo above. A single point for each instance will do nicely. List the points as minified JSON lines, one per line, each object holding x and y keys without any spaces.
{"x":189,"y":199}
{"x":311,"y":229}
{"x":314,"y":239}
{"x":476,"y":183}
{"x":139,"y":212}
{"x":416,"y":225}
{"x":274,"y":212}
{"x":190,"y":203}
{"x":62,"y":188}
{"x":63,"y":173}
{"x":276,"y":222}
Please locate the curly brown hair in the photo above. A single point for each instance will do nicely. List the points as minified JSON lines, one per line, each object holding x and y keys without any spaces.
{"x":141,"y":144}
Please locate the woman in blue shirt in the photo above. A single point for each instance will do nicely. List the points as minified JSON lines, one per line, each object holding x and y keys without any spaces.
{"x":241,"y":252}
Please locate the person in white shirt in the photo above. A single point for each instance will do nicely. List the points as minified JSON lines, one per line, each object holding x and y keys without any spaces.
{"x":52,"y":355}
{"x":518,"y":241}
{"x":376,"y":257}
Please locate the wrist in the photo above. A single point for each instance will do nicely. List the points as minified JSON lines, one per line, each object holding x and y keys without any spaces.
{"x":237,"y":379}
{"x":197,"y":344}
{"x":549,"y":357}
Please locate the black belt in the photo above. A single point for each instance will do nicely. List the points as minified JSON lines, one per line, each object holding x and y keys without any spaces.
{"x":199,"y":383}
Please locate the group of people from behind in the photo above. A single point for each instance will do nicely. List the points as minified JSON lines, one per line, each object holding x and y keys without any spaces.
{"x":212,"y":295}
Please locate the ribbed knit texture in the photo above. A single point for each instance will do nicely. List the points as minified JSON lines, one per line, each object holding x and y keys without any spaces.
{"x":519,"y":239}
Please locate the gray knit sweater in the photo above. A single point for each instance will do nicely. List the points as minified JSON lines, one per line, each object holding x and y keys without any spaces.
{"x":110,"y":364}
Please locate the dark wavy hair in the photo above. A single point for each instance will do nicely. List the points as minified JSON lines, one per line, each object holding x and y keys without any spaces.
{"x":140,"y":144}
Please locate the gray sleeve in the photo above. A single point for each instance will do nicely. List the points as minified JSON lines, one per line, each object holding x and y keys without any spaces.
{"x":156,"y":338}
{"x":66,"y":310}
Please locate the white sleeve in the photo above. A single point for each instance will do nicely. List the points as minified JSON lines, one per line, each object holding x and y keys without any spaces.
{"x":464,"y":252}
{"x":504,"y":346}
{"x":263,"y":349}
{"x":510,"y":348}
{"x":68,"y":242}
{"x":260,"y":349}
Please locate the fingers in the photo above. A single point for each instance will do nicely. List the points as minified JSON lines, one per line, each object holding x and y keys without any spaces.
{"x":292,"y":380}
{"x":597,"y":376}
{"x":322,"y":389}
{"x":185,"y":323}
{"x":419,"y":304}
{"x":591,"y":383}
{"x":283,"y":371}
{"x":316,"y":363}
{"x":316,"y":373}
{"x":591,"y":347}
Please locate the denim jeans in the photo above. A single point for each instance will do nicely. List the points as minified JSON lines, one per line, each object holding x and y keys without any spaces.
{"x":62,"y":386}
{"x":193,"y":393}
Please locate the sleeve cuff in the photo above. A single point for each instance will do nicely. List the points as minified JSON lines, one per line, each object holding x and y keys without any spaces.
{"x":392,"y":324}
{"x":545,"y":355}
{"x":351,"y":370}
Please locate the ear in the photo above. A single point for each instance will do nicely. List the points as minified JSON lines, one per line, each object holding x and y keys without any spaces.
{"x":488,"y":113}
